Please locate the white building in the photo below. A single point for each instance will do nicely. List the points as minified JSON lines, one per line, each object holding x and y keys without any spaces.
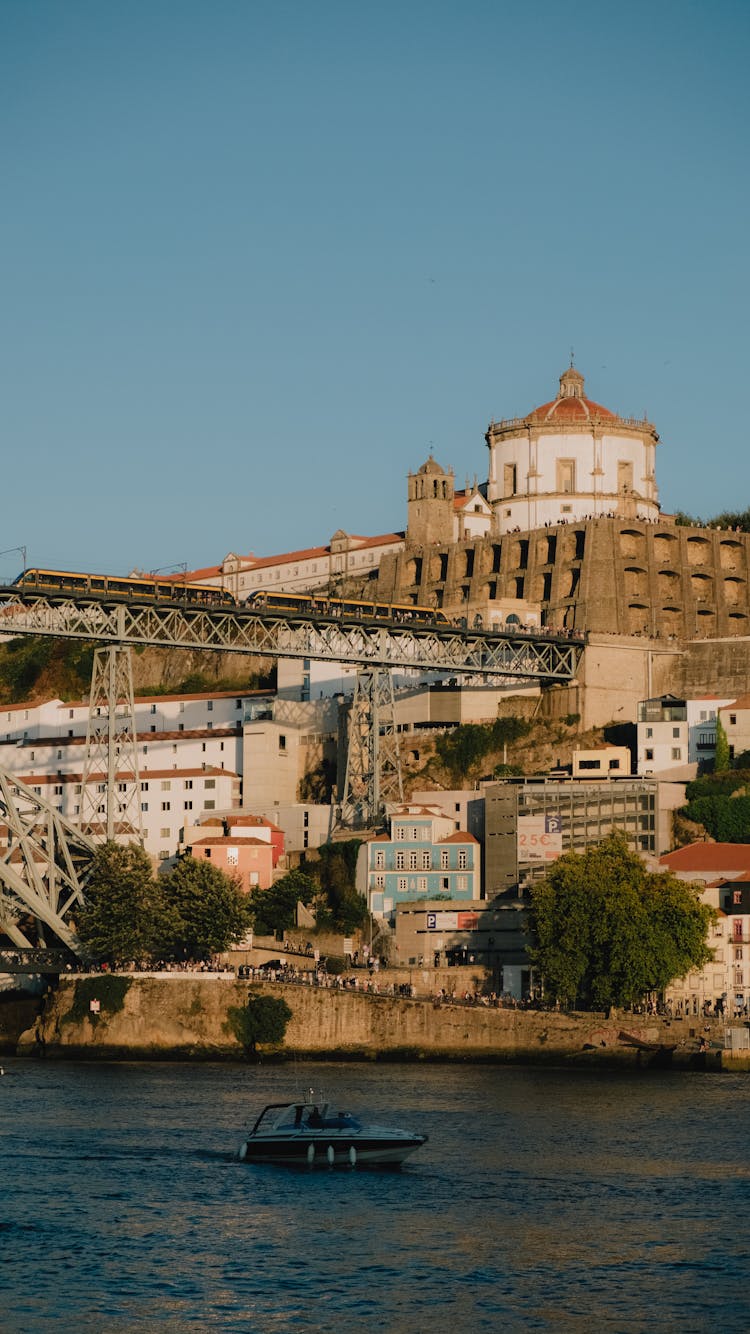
{"x":663,"y":739}
{"x":570,"y":459}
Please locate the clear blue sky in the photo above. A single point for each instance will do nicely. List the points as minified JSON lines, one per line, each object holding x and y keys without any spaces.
{"x":260,"y":257}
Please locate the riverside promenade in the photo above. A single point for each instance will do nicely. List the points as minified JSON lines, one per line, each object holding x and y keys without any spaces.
{"x":188,"y":1016}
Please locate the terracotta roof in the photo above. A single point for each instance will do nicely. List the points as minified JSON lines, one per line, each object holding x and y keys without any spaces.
{"x":144,"y":775}
{"x":570,"y":410}
{"x":708,"y":857}
{"x":226,"y":840}
{"x":253,"y":821}
{"x":460,"y":836}
{"x":742,"y":702}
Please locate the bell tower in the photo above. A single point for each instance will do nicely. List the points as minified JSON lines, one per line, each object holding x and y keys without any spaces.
{"x":430,"y":506}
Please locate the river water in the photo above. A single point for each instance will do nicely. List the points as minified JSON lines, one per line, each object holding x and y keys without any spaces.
{"x":544,"y":1200}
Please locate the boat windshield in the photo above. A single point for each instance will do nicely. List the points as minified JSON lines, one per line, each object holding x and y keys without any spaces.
{"x":314,"y":1116}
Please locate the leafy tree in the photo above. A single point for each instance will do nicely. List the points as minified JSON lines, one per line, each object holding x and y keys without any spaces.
{"x":605,"y":931}
{"x":343,"y":906}
{"x":124,"y":916}
{"x":208,"y":911}
{"x":721,"y":754}
{"x":727,"y":819}
{"x":275,"y":909}
{"x":262,"y":1020}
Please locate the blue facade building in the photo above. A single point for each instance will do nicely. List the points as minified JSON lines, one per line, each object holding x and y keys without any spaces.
{"x":423,"y":858}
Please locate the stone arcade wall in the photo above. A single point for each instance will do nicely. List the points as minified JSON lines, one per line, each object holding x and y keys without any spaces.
{"x":610,"y":576}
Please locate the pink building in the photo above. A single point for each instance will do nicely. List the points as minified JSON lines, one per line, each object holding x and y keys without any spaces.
{"x":249,"y":860}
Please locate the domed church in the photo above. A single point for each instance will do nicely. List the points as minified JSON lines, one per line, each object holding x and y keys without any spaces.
{"x":568,"y":460}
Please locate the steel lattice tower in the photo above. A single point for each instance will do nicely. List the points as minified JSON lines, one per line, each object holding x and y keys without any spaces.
{"x":110,"y":786}
{"x":373,"y":762}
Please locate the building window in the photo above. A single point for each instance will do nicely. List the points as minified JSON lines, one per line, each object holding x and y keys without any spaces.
{"x":444,"y":859}
{"x":733,"y":719}
{"x":166,"y":785}
{"x":736,"y":896}
{"x":182,"y":706}
{"x":403,"y":884}
{"x":164,"y":833}
{"x":210,"y":782}
{"x":462,"y":859}
{"x":676,"y":753}
{"x":446,"y":882}
{"x":422,"y":884}
{"x":144,"y":805}
{"x":188,"y":784}
{"x":188,"y":805}
{"x":210,"y":705}
{"x":412,"y":858}
{"x":282,"y":743}
{"x":566,"y":476}
{"x":379,"y":859}
{"x":509,"y":479}
{"x":463,"y":882}
{"x":166,"y":806}
{"x":399,"y":861}
{"x":399,"y":832}
{"x":649,"y":754}
{"x":209,"y":805}
{"x":152,"y":709}
{"x":649,"y":731}
{"x":426,"y":861}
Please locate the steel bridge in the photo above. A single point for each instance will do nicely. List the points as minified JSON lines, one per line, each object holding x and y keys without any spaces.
{"x":509,"y":656}
{"x":44,"y":870}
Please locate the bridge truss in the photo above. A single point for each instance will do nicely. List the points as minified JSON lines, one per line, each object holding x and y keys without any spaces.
{"x":477,"y":652}
{"x":43,"y":872}
{"x":43,"y":868}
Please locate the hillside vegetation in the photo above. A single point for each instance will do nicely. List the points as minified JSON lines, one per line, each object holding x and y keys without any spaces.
{"x":33,"y":669}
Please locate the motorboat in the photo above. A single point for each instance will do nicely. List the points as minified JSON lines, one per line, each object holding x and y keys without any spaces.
{"x":313,"y":1132}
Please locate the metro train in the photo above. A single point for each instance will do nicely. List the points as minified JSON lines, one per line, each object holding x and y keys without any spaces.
{"x":147,"y":588}
{"x":132,"y":586}
{"x":319,"y":604}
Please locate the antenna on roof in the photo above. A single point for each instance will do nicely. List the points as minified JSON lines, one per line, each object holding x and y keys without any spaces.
{"x":572,"y":357}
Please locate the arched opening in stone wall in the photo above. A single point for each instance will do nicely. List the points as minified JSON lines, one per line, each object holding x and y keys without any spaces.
{"x":439,"y":566}
{"x":668,"y":584}
{"x":468,"y":563}
{"x":738,"y":623}
{"x":632,"y":543}
{"x":496,"y":557}
{"x":638,"y":618}
{"x":702,"y":586}
{"x":705,"y":621}
{"x":665,"y":546}
{"x":730,"y":555}
{"x":734,"y":591}
{"x":414,"y":570}
{"x":490,"y":589}
{"x":574,"y":578}
{"x":698,"y":551}
{"x":670,"y":621}
{"x":636,"y":581}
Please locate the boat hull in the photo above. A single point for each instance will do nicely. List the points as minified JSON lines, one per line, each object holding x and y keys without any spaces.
{"x":330,"y":1151}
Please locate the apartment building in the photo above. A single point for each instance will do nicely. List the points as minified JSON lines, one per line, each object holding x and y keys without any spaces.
{"x":423,"y":857}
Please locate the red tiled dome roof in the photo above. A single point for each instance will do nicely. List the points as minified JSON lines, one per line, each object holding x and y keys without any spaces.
{"x":569,"y":410}
{"x":571,"y":404}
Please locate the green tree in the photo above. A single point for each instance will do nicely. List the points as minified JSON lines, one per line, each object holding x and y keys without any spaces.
{"x":721,"y":754}
{"x":274,"y":909}
{"x":124,"y":915}
{"x":207,"y":910}
{"x":605,"y":931}
{"x":342,"y":907}
{"x":262,"y":1020}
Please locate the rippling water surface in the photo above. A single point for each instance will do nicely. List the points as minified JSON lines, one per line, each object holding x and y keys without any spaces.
{"x":556,"y":1200}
